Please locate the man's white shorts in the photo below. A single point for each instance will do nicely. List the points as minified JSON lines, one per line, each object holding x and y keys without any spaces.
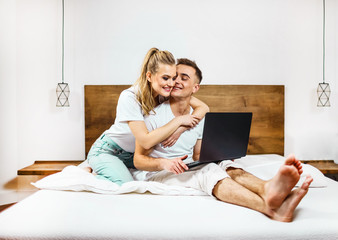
{"x":203,"y":177}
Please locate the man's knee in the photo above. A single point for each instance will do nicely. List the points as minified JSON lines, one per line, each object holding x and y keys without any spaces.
{"x":216,"y":189}
{"x":234,"y":172}
{"x":220,"y":187}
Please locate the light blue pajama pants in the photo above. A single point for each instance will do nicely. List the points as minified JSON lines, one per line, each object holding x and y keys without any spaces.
{"x":110,"y":161}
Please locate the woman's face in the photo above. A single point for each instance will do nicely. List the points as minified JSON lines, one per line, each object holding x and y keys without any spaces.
{"x":162,"y":82}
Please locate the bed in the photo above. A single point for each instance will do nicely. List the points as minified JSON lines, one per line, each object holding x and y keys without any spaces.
{"x":73,"y":204}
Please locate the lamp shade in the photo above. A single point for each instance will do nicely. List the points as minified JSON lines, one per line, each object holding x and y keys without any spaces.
{"x":62,"y":93}
{"x":323,"y":92}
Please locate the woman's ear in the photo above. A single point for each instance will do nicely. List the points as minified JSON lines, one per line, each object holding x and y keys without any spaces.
{"x":148,"y":76}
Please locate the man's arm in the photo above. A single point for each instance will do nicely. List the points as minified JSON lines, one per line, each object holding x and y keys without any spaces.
{"x":143,"y":162}
{"x":197,"y":150}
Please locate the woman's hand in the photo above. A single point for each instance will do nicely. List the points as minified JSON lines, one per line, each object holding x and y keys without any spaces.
{"x":189,"y":120}
{"x":175,"y":165}
{"x":172,"y":139}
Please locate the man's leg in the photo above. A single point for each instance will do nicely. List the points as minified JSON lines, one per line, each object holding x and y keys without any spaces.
{"x":213,"y":180}
{"x":227,"y":190}
{"x":275,"y":190}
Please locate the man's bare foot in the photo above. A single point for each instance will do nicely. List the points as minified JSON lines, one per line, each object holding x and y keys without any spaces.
{"x":280,"y":186}
{"x":291,"y":160}
{"x":285,"y":212}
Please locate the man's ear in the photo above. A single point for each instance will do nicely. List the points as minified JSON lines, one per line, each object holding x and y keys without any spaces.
{"x":148,"y":76}
{"x":196,"y":88}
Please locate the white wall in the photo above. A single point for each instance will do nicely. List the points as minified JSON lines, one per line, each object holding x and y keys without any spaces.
{"x":8,"y":93}
{"x":234,"y":42}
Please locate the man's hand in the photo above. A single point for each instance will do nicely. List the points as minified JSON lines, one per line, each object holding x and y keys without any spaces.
{"x":175,"y":165}
{"x":170,"y":141}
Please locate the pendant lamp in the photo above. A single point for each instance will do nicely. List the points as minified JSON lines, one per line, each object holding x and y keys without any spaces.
{"x":323,"y":90}
{"x":62,"y":89}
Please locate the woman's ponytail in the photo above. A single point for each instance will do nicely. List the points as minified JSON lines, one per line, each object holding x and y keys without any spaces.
{"x":150,"y":64}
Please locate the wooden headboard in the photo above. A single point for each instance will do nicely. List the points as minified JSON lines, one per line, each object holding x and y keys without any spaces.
{"x":266,"y":102}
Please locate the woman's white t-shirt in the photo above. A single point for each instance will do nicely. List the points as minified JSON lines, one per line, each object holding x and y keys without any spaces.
{"x":127,"y":109}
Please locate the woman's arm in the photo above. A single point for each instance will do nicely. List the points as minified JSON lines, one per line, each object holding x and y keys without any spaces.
{"x":149,"y":139}
{"x":172,"y":139}
{"x":200,"y":108}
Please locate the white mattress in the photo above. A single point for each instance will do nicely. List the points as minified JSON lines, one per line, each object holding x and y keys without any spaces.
{"x":52,"y":214}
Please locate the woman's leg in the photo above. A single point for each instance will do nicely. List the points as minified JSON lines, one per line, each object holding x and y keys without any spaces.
{"x":105,"y":158}
{"x":108,"y":166}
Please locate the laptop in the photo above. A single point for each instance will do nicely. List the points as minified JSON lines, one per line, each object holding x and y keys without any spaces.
{"x":225,"y":137}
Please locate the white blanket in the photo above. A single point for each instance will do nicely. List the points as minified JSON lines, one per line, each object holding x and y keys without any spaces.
{"x":76,"y":179}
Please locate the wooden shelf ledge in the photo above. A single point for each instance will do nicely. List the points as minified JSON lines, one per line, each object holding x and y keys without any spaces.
{"x":50,"y":167}
{"x":325,"y":166}
{"x":46,"y":167}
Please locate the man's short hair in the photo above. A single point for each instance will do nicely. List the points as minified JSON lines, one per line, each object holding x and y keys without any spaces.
{"x":188,"y":62}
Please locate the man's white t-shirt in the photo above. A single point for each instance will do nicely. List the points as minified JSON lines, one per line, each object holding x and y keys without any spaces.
{"x":186,"y":142}
{"x":128,"y":109}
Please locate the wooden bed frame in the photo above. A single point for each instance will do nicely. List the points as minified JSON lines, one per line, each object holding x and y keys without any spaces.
{"x":266,"y":102}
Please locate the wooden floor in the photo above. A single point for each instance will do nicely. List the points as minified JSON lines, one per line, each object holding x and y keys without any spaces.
{"x":3,"y":207}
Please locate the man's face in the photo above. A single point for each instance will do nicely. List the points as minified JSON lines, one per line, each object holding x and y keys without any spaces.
{"x":186,"y":82}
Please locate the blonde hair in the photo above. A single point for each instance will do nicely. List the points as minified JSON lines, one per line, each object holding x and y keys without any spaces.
{"x":150,"y":64}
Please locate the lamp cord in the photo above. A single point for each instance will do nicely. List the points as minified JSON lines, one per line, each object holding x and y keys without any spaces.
{"x":63,"y":40}
{"x":323,"y":41}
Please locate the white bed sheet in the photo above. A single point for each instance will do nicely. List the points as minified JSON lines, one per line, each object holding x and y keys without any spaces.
{"x":52,"y":214}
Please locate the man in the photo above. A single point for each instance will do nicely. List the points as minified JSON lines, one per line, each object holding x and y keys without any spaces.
{"x":226,"y":181}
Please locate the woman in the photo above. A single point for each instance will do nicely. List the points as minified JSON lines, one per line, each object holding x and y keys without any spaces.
{"x":112,"y":153}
